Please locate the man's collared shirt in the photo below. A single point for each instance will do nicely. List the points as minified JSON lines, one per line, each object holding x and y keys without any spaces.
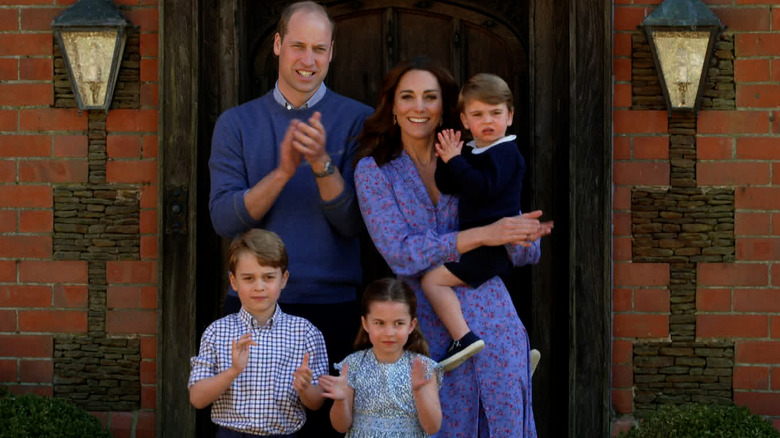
{"x":316,"y":97}
{"x":261,"y":400}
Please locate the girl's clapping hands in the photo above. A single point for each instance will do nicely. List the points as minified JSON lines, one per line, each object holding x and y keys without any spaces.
{"x":336,"y":388}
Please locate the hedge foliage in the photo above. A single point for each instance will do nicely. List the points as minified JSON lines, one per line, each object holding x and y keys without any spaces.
{"x":32,"y":415}
{"x":702,"y":421}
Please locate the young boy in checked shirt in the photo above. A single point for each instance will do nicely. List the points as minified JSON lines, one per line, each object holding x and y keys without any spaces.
{"x":258,"y":367}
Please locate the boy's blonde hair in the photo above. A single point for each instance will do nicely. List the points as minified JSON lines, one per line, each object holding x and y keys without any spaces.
{"x":488,"y":88}
{"x":265,"y":245}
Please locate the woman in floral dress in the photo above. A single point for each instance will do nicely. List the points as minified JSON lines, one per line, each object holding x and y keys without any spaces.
{"x":415,"y":229}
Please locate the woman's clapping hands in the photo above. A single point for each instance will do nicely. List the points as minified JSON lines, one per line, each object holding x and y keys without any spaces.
{"x":522,"y":230}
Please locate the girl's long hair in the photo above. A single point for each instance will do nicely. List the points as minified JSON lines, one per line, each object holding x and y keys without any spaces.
{"x":381,"y":138}
{"x":397,"y":291}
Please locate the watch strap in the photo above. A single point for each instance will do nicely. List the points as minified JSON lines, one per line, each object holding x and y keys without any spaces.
{"x":329,"y":169}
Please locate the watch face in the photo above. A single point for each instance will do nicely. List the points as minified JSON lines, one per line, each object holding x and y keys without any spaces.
{"x":329,"y":169}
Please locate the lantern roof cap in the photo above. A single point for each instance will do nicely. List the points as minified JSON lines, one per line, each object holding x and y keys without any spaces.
{"x":682,"y":13}
{"x":91,"y":13}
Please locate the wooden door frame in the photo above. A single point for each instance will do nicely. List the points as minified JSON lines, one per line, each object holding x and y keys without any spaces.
{"x":570,"y":60}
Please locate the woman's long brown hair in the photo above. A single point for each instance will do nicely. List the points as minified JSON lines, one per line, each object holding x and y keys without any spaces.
{"x":397,"y":291}
{"x":381,"y":138}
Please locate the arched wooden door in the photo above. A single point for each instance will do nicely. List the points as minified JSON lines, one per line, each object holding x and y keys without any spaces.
{"x":373,"y":36}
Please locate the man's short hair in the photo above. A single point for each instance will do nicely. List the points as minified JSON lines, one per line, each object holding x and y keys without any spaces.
{"x":265,"y":245}
{"x":307,"y":6}
{"x":488,"y":88}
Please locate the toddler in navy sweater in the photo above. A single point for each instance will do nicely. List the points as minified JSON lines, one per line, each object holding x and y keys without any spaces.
{"x":488,"y":176}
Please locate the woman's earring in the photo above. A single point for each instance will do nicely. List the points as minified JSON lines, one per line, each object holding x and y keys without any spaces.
{"x":395,"y":120}
{"x":441,"y":121}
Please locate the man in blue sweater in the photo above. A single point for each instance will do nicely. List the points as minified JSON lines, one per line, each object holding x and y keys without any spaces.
{"x":284,"y":162}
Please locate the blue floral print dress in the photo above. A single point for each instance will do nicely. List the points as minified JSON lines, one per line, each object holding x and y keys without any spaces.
{"x":490,"y":394}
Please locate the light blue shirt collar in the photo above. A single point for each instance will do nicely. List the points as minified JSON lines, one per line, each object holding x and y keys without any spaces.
{"x":316,"y":97}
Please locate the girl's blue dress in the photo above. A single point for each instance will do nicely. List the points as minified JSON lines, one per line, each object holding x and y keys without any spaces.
{"x":384,"y":406}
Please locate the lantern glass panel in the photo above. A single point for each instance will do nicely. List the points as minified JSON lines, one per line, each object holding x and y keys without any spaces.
{"x":91,"y":54}
{"x":681,"y":55}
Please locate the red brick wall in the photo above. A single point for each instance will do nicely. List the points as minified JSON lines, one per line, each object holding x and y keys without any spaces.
{"x":40,"y":297}
{"x":737,"y":301}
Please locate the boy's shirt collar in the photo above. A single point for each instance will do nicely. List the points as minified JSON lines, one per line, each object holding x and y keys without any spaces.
{"x":476,"y":151}
{"x":253,"y":324}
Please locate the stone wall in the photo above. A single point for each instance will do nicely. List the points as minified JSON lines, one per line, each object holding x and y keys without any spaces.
{"x":97,"y":373}
{"x":682,"y":372}
{"x":682,"y":225}
{"x":78,"y":297}
{"x":98,"y":222}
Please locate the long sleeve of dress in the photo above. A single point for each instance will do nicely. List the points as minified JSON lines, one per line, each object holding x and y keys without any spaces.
{"x":521,"y":255}
{"x":408,"y":250}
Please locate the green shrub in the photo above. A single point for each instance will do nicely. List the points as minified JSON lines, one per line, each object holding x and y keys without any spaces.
{"x":702,"y":421}
{"x":31,"y":415}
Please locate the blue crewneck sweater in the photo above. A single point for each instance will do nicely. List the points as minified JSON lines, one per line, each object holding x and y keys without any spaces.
{"x":321,"y":237}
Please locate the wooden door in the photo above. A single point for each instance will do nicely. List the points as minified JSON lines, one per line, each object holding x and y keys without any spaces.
{"x":373,"y":37}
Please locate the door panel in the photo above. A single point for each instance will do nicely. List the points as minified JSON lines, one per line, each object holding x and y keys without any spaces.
{"x":423,"y":34}
{"x":357,"y":62}
{"x":372,"y":39}
{"x":484,"y":49}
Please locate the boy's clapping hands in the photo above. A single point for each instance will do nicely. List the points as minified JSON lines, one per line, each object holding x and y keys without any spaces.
{"x":240,"y":352}
{"x":302,"y":377}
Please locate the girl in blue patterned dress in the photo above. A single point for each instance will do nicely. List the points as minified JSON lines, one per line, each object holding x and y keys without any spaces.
{"x":389,"y":388}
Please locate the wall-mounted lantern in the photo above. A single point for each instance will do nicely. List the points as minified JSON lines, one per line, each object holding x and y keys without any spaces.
{"x":682,"y":36}
{"x":92,"y":35}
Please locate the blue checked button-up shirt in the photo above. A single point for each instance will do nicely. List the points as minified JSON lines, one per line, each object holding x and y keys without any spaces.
{"x":261,"y":400}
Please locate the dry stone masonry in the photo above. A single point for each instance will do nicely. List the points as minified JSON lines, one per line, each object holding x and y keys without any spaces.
{"x":682,"y":224}
{"x":98,"y":222}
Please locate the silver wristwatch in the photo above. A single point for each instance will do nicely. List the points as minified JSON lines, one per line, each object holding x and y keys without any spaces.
{"x":329,"y":169}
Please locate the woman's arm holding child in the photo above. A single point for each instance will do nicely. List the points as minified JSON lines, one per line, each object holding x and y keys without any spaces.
{"x":311,"y":395}
{"x":205,"y":391}
{"x":343,"y":396}
{"x":426,"y":398}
